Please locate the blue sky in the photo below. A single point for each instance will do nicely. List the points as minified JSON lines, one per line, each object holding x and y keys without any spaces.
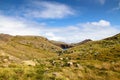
{"x":61,"y":20}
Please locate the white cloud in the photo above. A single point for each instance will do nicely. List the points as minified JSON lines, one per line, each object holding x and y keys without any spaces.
{"x":74,"y":33}
{"x":90,"y":30}
{"x":101,"y":23}
{"x":44,"y":9}
{"x":14,"y":26}
{"x":52,"y":36}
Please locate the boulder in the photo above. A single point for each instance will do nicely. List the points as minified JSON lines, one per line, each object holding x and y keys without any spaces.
{"x":5,"y":60}
{"x":70,"y":63}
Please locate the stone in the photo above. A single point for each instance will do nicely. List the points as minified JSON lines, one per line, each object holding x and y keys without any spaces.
{"x":70,"y":63}
{"x":53,"y":62}
{"x":29,"y":63}
{"x":79,"y":66}
{"x":61,"y":58}
{"x":5,"y":60}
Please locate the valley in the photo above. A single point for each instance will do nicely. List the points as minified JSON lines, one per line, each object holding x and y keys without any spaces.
{"x":37,"y":58}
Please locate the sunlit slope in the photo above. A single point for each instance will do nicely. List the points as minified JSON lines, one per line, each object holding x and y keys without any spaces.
{"x":27,"y":47}
{"x":93,"y":60}
{"x":106,"y":50}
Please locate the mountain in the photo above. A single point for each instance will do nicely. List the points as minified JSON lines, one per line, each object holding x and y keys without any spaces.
{"x":106,"y":49}
{"x":36,"y":58}
{"x":80,"y":43}
{"x":63,"y":45}
{"x":93,"y":60}
{"x":27,"y":47}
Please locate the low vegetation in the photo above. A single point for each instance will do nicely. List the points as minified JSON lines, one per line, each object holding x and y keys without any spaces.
{"x":36,"y":58}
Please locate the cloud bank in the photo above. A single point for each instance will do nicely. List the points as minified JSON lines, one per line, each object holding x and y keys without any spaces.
{"x":46,"y":10}
{"x":20,"y":24}
{"x":73,"y":33}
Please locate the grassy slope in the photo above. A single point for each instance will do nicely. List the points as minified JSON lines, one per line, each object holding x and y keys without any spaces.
{"x":95,"y":60}
{"x":105,"y":50}
{"x":27,"y":47}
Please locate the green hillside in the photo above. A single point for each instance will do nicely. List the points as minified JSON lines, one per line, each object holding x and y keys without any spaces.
{"x":36,"y":58}
{"x":104,"y":50}
{"x":27,"y":47}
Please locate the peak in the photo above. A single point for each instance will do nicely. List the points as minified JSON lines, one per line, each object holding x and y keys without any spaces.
{"x":1,"y":34}
{"x":82,"y":42}
{"x":5,"y":37}
{"x":115,"y":37}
